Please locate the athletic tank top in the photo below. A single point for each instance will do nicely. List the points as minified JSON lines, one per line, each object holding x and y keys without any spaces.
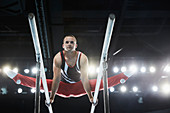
{"x":70,"y":74}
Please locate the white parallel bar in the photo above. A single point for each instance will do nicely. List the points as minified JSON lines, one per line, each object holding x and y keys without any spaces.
{"x":39,"y":58}
{"x":108,"y":34}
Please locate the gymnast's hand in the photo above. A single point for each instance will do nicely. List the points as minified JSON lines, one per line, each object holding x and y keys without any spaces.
{"x":51,"y":101}
{"x":91,"y":100}
{"x":48,"y":104}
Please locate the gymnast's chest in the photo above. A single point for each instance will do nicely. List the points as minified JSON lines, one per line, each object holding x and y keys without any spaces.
{"x":70,"y":61}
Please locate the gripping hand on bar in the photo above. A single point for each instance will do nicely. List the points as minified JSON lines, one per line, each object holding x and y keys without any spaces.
{"x":106,"y":44}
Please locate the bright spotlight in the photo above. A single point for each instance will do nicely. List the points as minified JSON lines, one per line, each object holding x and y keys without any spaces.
{"x":33,"y":90}
{"x":6,"y":68}
{"x":135,"y":89}
{"x":19,"y":90}
{"x":123,"y":69}
{"x":123,"y":89}
{"x":91,"y":70}
{"x":34,"y":70}
{"x":155,"y":88}
{"x":26,"y":71}
{"x":143,"y":69}
{"x":112,"y":89}
{"x":133,"y":68}
{"x":97,"y":70}
{"x":166,"y":88}
{"x":115,"y":69}
{"x":152,"y":69}
{"x":15,"y":70}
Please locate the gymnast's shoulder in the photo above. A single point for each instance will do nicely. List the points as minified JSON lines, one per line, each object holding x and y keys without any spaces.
{"x":57,"y":59}
{"x":83,"y":59}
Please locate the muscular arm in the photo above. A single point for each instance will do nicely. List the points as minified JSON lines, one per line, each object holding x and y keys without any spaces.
{"x":56,"y":76}
{"x":84,"y":76}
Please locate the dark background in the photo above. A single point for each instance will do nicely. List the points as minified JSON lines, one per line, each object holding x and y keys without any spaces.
{"x":141,"y":30}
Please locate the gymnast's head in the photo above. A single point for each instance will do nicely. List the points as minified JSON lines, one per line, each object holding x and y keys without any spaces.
{"x":69,"y":43}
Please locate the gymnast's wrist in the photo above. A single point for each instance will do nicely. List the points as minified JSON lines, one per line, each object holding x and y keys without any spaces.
{"x":52,"y":96}
{"x":90,"y":95}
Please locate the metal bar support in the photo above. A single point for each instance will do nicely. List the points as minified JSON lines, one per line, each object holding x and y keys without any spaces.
{"x":106,"y":44}
{"x":37,"y":93}
{"x":39,"y":58}
{"x":105,"y":86}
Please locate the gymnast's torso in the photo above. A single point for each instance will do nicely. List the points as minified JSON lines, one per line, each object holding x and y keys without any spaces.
{"x":70,"y":74}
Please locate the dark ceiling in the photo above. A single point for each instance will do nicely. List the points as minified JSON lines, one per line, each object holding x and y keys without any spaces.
{"x":141,"y":27}
{"x":141,"y":31}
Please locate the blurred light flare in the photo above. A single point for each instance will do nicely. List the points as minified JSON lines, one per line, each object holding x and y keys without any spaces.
{"x":20,"y":90}
{"x":115,"y":69}
{"x":33,"y":90}
{"x":135,"y":89}
{"x":166,"y":88}
{"x":133,"y":68}
{"x":123,"y":89}
{"x":97,"y":70}
{"x":152,"y":69}
{"x":34,"y":70}
{"x":6,"y":68}
{"x":112,"y":89}
{"x":143,"y":69}
{"x":154,"y":88}
{"x":123,"y":69}
{"x":91,"y":69}
{"x":26,"y":71}
{"x":15,"y":70}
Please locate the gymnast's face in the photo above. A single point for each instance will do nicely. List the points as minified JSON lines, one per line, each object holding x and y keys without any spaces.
{"x":69,"y":43}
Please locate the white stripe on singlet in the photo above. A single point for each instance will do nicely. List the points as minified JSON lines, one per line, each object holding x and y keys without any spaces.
{"x":65,"y":68}
{"x":65,"y":75}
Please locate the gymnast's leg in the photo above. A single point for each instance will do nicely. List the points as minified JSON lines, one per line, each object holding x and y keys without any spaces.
{"x":67,"y":89}
{"x":25,"y":80}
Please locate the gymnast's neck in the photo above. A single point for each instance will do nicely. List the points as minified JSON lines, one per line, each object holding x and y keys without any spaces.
{"x":70,"y":54}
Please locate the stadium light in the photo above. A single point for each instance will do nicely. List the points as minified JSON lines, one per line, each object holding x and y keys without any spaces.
{"x":152,"y":69}
{"x":133,"y":68}
{"x":33,"y":90}
{"x":115,"y":69}
{"x":34,"y":70}
{"x":123,"y":89}
{"x":6,"y":68}
{"x":91,"y":69}
{"x":112,"y":89}
{"x":20,"y":90}
{"x":15,"y":70}
{"x":154,"y":88}
{"x":166,"y":88}
{"x":143,"y":69}
{"x":97,"y":70}
{"x":26,"y":71}
{"x":123,"y":69}
{"x":135,"y":89}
